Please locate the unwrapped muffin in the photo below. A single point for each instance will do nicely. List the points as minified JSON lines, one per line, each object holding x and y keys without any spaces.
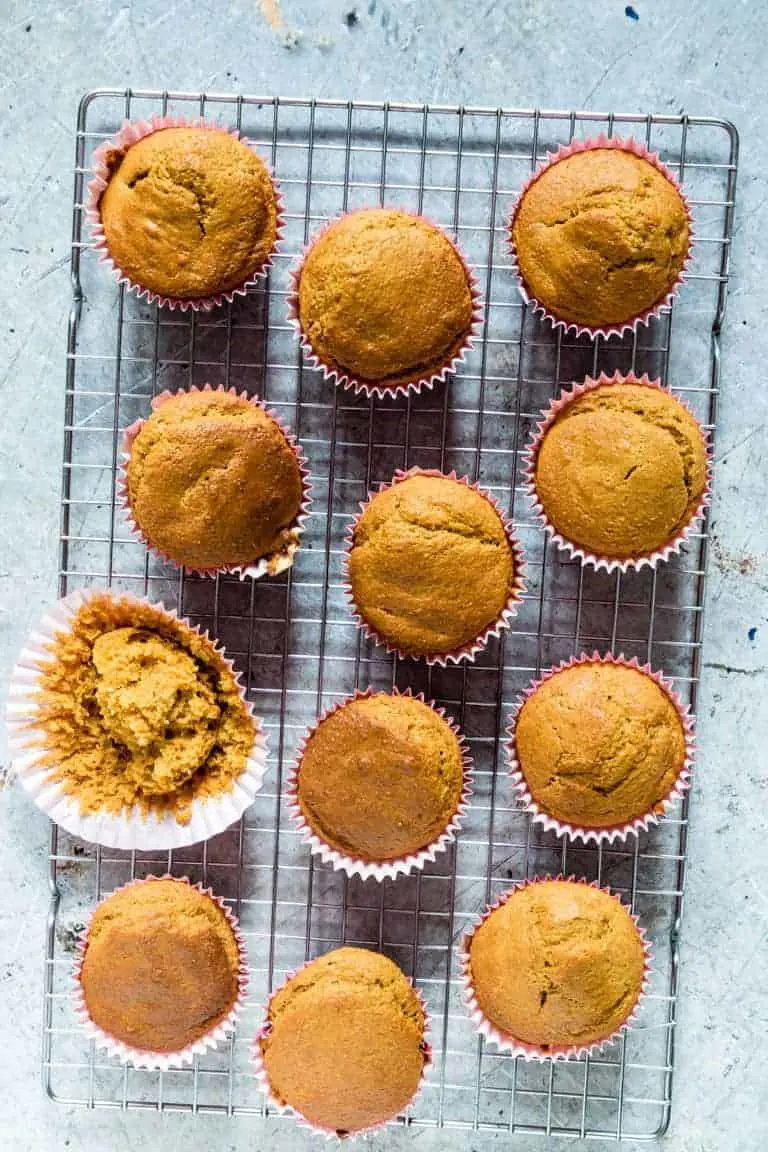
{"x":600,"y":235}
{"x":556,"y":967}
{"x":344,"y":1042}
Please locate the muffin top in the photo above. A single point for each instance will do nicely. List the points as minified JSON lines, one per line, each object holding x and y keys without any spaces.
{"x":188,"y":212}
{"x":213,"y":482}
{"x":622,"y":469}
{"x":346,"y":1047}
{"x":161,"y":966}
{"x":599,"y":744}
{"x":558,"y":964}
{"x":430,"y":565}
{"x":381,"y":777}
{"x":384,"y":297}
{"x":600,"y":237}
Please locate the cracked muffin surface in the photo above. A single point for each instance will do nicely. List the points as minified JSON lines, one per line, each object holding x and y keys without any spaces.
{"x":345,"y":1044}
{"x":601,"y":237}
{"x":599,"y":744}
{"x":558,"y":964}
{"x":189,"y":212}
{"x":381,"y":777}
{"x":622,"y":469}
{"x":430,"y":565}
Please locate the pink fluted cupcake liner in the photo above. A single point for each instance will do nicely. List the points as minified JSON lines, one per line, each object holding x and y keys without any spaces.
{"x":373,"y":388}
{"x":130,"y":829}
{"x":468,"y":651}
{"x":609,"y":563}
{"x":387,"y":869}
{"x":146,"y":1058}
{"x":533,"y":1052}
{"x":130,"y":133}
{"x":607,"y":834}
{"x":270,"y":565}
{"x":273,"y":1102}
{"x":564,"y":151}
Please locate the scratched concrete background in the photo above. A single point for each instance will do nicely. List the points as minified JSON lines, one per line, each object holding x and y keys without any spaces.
{"x":706,"y":56}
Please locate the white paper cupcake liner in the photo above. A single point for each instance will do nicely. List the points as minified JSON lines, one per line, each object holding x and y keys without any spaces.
{"x":270,"y":565}
{"x":467,"y":652}
{"x":130,"y":829}
{"x":373,"y":388}
{"x":592,"y":559}
{"x":402,"y":865}
{"x":129,"y":134}
{"x":533,"y":1052}
{"x":643,"y":318}
{"x":608,"y":834}
{"x":146,"y":1058}
{"x":277,"y":1105}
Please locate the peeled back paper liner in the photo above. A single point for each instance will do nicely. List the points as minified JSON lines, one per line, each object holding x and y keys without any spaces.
{"x":385,"y":869}
{"x":470,"y":650}
{"x":277,"y":1105}
{"x":643,"y":318}
{"x":130,"y":829}
{"x":130,"y":134}
{"x":147,"y":1058}
{"x":609,"y":563}
{"x":275,"y":562}
{"x":377,"y":388}
{"x":607,"y":834}
{"x":534,"y":1052}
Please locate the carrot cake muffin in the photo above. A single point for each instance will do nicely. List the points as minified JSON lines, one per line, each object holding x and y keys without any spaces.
{"x":381,"y":777}
{"x":344,"y":1042}
{"x":599,"y":744}
{"x":558,"y":964}
{"x":430,"y":566}
{"x":188,"y":212}
{"x":600,"y":237}
{"x":384,"y":297}
{"x":212,"y":481}
{"x":161,"y":966}
{"x":622,"y":469}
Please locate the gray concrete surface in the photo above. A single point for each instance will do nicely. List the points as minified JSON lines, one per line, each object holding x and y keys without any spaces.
{"x":702,"y":55}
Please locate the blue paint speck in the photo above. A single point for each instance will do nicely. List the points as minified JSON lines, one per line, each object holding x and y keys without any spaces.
{"x":751,"y":635}
{"x":630,"y":12}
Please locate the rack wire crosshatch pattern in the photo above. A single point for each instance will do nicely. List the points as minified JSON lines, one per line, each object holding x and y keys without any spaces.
{"x":294,"y":639}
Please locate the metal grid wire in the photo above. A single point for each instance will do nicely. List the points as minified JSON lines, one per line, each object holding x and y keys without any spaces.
{"x":293,"y":637}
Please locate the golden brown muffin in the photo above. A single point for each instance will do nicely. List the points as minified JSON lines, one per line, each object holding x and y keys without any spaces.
{"x":384,"y":297}
{"x":558,"y":964}
{"x":213,"y":482}
{"x":601,"y":237}
{"x":188,"y":212}
{"x":381,"y":777}
{"x":430,"y":565}
{"x":137,"y":709}
{"x":346,"y":1047}
{"x":599,"y":744}
{"x":161,"y":966}
{"x":622,"y":470}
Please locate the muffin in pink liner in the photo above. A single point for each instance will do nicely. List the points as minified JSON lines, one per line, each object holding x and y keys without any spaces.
{"x":129,"y":727}
{"x":343,"y":1047}
{"x":384,"y":303}
{"x":161,"y":973}
{"x":254,"y":509}
{"x":432,"y":568}
{"x":618,"y":472}
{"x":381,"y":784}
{"x":197,"y":219}
{"x":559,"y":992}
{"x":600,"y":237}
{"x":557,"y":738}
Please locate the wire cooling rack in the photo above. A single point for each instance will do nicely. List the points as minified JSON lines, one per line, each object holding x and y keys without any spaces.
{"x":293,"y":637}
